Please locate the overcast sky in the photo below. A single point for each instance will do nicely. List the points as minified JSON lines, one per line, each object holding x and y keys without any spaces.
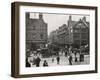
{"x":56,"y":20}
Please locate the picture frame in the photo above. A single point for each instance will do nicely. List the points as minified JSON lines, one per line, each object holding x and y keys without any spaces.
{"x":54,"y":13}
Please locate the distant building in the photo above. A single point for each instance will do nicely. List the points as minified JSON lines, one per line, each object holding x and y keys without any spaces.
{"x":78,"y":32}
{"x":60,"y":36}
{"x":36,"y":32}
{"x":63,"y":35}
{"x":53,"y":38}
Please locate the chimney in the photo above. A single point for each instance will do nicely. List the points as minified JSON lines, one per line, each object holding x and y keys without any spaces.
{"x":40,"y":16}
{"x":70,"y":18}
{"x":84,"y":19}
{"x":70,"y":21}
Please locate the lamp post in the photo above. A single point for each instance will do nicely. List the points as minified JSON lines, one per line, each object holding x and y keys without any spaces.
{"x":70,"y":40}
{"x":80,"y":41}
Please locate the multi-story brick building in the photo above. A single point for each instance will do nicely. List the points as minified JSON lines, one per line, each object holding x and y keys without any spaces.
{"x":79,"y":32}
{"x":60,"y":36}
{"x":63,"y":35}
{"x":36,"y":32}
{"x":53,"y":38}
{"x":76,"y":33}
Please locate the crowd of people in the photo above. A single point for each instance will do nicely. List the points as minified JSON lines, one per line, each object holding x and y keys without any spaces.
{"x":36,"y":62}
{"x":67,"y":54}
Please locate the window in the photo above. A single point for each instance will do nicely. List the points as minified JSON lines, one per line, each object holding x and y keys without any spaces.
{"x":84,"y":30}
{"x":34,"y":27}
{"x":71,"y":30}
{"x":34,"y":36}
{"x":76,"y":36}
{"x":84,"y":36}
{"x":41,"y":36}
{"x":77,"y":30}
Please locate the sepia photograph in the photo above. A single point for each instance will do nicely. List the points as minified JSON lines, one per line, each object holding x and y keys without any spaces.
{"x":57,"y":39}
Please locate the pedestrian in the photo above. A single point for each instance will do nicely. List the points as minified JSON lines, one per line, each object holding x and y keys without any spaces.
{"x":75,"y":53}
{"x":70,"y":60}
{"x":27,"y":63}
{"x":52,"y":60}
{"x":34,"y":60}
{"x":37,"y":62}
{"x":58,"y":59}
{"x":45,"y":63}
{"x":66,"y":54}
{"x":76,"y":59}
{"x":81,"y":57}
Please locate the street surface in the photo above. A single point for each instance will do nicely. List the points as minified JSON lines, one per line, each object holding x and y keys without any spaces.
{"x":63,"y":61}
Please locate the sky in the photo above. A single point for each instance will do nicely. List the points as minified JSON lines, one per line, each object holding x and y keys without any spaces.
{"x":56,"y":20}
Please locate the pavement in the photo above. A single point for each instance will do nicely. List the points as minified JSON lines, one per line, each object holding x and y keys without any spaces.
{"x":63,"y":61}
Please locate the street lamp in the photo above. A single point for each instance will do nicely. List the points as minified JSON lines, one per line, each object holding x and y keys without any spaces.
{"x":80,"y":40}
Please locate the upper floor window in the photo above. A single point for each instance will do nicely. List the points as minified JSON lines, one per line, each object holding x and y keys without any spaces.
{"x":34,"y":36}
{"x":34,"y":27}
{"x":77,"y":30}
{"x":41,"y":36}
{"x":71,"y":30}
